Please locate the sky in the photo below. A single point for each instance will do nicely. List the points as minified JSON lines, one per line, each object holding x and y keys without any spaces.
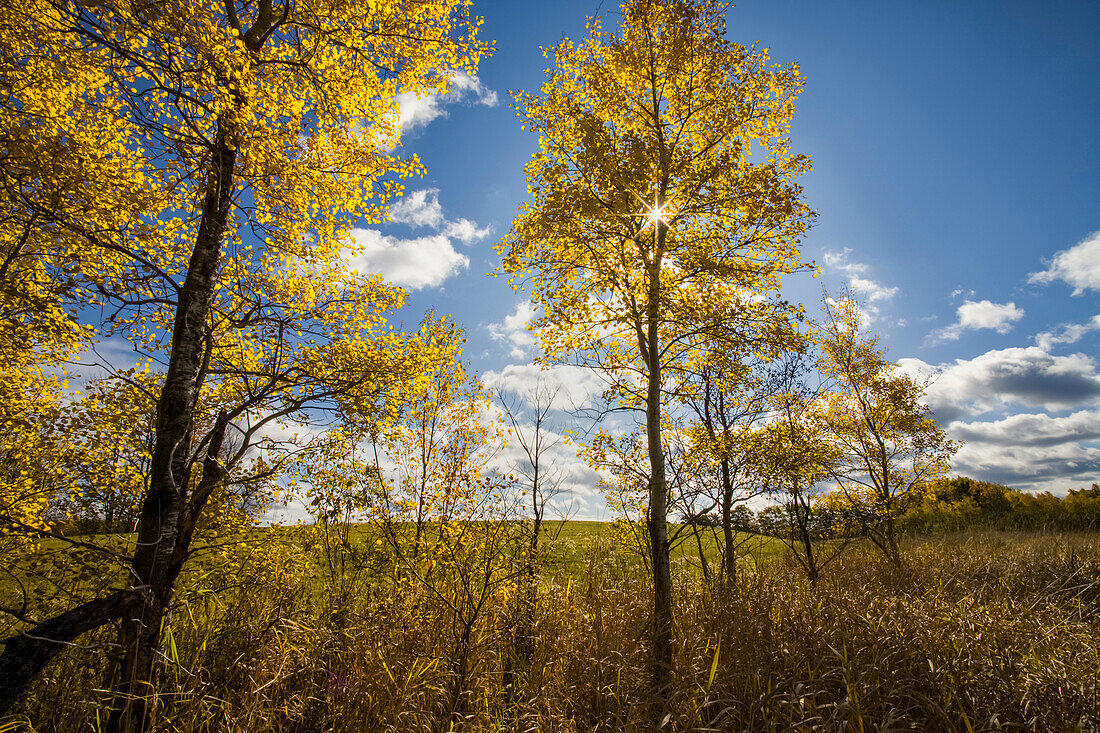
{"x":956,"y":181}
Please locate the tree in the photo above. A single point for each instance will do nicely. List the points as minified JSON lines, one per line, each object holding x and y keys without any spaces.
{"x":438,"y":445}
{"x":731,"y":397}
{"x":445,"y":515}
{"x":108,"y":434}
{"x":648,"y":224}
{"x":792,"y":454}
{"x":886,"y":443}
{"x":191,"y":170}
{"x":527,"y":415}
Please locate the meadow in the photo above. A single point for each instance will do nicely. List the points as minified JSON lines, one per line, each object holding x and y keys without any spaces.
{"x":977,"y":632}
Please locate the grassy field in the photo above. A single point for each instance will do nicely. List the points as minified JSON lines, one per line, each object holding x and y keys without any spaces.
{"x":569,"y":546}
{"x":993,"y":631}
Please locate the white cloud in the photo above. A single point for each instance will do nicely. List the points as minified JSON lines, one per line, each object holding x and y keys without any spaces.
{"x":411,"y":263}
{"x":466,"y":231}
{"x":959,"y":291}
{"x":572,"y":386}
{"x":1031,"y":429}
{"x":1050,"y":468}
{"x":415,"y":111}
{"x":839,"y":261}
{"x":464,"y":85}
{"x":422,"y":209}
{"x":872,"y":290}
{"x":513,"y":330}
{"x":1025,"y":376}
{"x":987,"y":314}
{"x":417,"y":262}
{"x":867,"y":290}
{"x":976,"y":315}
{"x":1078,"y":266}
{"x":854,"y":271}
{"x":1067,"y":333}
{"x":419,"y":209}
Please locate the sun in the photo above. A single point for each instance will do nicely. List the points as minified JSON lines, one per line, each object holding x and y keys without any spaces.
{"x":656,"y":213}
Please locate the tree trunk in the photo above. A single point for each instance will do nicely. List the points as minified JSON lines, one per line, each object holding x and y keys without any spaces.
{"x":658,"y":489}
{"x":702,"y":553}
{"x":803,"y":519}
{"x":729,"y":559}
{"x":892,"y":552}
{"x":525,"y":632}
{"x":27,"y":654}
{"x":162,"y":527}
{"x":165,"y":523}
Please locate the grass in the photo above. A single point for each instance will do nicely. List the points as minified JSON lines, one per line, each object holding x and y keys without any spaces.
{"x":568,"y":545}
{"x":989,"y":632}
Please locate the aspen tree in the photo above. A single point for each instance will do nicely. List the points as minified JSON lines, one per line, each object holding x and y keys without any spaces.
{"x":887,"y":444}
{"x":190,"y":170}
{"x":663,"y":203}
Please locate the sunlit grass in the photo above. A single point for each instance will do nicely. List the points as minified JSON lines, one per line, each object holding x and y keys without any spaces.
{"x":994,"y":631}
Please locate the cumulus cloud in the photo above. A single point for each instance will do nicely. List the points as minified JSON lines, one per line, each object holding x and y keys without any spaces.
{"x":513,"y":330}
{"x":1078,"y":266}
{"x":422,"y":209}
{"x":414,"y":111}
{"x":1066,"y":333}
{"x":1054,"y":468}
{"x":856,"y":274}
{"x":1031,"y":429}
{"x":411,"y":263}
{"x":572,"y":386}
{"x":1031,"y":451}
{"x":466,"y":231}
{"x":1025,"y":376}
{"x":417,"y":262}
{"x":419,"y":209}
{"x":978,"y":315}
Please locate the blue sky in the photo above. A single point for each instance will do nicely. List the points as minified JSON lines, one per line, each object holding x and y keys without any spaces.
{"x":956,"y":153}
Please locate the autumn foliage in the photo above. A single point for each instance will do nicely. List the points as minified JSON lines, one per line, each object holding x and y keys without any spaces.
{"x":179,"y":182}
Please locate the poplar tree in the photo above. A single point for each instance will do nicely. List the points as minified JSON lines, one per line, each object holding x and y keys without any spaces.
{"x":188,"y":172}
{"x":663,"y":205}
{"x":887,"y":447}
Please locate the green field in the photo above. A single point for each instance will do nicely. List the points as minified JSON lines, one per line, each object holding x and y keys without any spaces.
{"x":277,"y":631}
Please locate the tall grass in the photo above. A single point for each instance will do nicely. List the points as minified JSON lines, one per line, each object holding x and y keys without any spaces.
{"x":993,"y":632}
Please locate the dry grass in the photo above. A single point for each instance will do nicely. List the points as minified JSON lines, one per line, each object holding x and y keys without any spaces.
{"x":996,"y":632}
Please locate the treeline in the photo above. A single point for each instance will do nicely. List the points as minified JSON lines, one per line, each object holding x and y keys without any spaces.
{"x":945,"y":505}
{"x":962,"y":503}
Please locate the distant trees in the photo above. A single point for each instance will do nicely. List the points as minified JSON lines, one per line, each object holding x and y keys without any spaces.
{"x":962,"y":503}
{"x":944,"y":505}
